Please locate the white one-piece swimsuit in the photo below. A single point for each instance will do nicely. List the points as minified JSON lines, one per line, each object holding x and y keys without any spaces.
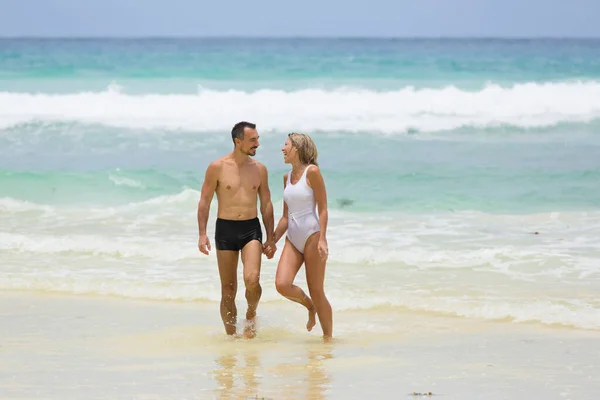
{"x":303,"y":220}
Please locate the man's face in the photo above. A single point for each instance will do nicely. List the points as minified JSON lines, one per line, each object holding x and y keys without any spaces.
{"x":249,"y":143}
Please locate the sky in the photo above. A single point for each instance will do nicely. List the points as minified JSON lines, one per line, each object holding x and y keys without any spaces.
{"x":326,"y":18}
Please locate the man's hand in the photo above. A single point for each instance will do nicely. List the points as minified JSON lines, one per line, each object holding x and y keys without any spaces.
{"x":204,"y":244}
{"x":269,"y":249}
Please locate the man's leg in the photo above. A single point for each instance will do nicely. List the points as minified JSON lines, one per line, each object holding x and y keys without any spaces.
{"x":251,"y":258}
{"x":228,"y":261}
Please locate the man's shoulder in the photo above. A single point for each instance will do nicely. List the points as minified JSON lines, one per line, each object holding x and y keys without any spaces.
{"x":261,"y":167}
{"x":215,"y":167}
{"x":218,"y":163}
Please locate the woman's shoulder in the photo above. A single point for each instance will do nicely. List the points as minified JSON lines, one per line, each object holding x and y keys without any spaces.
{"x":313,"y":174}
{"x":313,"y":170}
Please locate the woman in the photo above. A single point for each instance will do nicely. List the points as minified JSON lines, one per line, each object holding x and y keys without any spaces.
{"x":306,"y":241}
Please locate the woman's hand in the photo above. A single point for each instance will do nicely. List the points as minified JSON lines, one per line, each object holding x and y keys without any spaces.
{"x":270,"y":248}
{"x":323,"y":250}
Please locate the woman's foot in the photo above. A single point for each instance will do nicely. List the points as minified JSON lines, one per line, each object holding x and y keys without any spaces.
{"x":311,"y":319}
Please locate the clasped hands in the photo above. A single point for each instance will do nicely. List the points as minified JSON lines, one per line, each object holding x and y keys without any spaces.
{"x":269,"y":248}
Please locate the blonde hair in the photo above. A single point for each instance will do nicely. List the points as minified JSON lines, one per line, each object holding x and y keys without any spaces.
{"x":307,"y":150}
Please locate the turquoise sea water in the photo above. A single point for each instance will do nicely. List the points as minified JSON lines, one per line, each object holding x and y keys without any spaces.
{"x":441,"y":158}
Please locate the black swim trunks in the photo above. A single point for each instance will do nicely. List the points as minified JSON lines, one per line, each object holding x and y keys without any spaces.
{"x":234,"y":235}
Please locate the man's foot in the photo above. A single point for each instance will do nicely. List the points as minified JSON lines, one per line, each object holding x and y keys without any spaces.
{"x":230,"y":328}
{"x":250,"y":328}
{"x":311,"y":319}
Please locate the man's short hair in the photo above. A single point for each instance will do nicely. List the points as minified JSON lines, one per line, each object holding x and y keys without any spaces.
{"x":238,"y":129}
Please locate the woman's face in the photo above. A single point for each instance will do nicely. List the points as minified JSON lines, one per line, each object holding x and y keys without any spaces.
{"x":289,"y":152}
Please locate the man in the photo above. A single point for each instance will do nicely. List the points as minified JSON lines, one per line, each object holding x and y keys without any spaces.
{"x":238,"y":181}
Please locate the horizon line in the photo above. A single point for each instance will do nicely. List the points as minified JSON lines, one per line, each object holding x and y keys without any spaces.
{"x":319,"y":37}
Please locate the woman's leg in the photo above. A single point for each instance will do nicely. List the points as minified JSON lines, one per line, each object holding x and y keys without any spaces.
{"x":315,"y":277}
{"x":289,"y":264}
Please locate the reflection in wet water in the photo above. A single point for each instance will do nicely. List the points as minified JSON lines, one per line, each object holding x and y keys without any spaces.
{"x":240,"y":369}
{"x":317,"y":375}
{"x":247,"y":374}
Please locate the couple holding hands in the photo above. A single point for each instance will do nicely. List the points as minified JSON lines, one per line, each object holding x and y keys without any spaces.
{"x":239,"y":182}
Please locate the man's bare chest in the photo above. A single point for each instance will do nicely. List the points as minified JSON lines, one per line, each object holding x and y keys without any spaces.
{"x":235,"y":181}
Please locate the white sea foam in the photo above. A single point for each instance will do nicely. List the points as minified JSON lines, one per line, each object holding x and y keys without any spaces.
{"x":522,"y":105}
{"x":468,"y":264}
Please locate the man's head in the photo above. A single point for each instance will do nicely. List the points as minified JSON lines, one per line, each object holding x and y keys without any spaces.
{"x":245,"y":137}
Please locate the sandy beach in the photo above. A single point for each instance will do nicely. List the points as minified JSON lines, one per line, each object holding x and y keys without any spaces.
{"x":81,"y":347}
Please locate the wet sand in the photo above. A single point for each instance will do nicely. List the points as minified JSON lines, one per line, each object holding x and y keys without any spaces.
{"x":80,"y":347}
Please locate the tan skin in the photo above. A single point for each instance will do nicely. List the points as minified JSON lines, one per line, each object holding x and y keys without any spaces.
{"x":238,"y":181}
{"x":315,"y":251}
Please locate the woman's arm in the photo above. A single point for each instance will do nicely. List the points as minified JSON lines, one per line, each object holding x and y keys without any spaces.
{"x":315,"y":180}
{"x":282,"y":225}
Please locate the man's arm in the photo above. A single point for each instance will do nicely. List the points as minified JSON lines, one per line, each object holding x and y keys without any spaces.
{"x":211,"y":178}
{"x":266,"y":206}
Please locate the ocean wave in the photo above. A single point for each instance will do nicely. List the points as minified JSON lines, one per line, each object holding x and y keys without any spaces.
{"x":467,"y":264}
{"x":164,"y":229}
{"x":114,"y":186}
{"x":576,"y":313}
{"x":527,"y":105}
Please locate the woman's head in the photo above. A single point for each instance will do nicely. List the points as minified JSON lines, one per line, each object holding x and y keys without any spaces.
{"x":300,"y":146}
